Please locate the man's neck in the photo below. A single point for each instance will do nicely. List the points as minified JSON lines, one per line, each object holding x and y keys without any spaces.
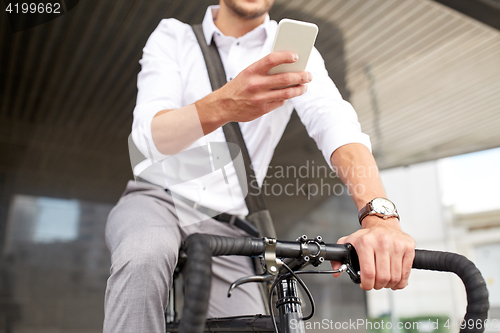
{"x":230,"y":24}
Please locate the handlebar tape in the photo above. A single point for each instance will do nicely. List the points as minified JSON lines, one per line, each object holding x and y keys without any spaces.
{"x":475,"y":286}
{"x":199,"y":273}
{"x":241,"y":246}
{"x":197,"y":284}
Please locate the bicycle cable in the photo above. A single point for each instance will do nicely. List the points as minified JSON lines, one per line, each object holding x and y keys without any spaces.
{"x":301,"y":282}
{"x":318,"y":272}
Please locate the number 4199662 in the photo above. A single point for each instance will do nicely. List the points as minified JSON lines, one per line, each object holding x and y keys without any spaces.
{"x":33,"y":8}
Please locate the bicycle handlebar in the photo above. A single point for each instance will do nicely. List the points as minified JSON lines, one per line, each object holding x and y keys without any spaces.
{"x":475,"y":286}
{"x":200,"y":249}
{"x":247,"y":246}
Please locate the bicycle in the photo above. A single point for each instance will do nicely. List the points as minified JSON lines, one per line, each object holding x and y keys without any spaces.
{"x":283,"y":262}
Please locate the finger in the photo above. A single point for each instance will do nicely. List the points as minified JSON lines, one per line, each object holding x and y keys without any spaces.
{"x":281,"y":80}
{"x":396,"y":264}
{"x":285,"y":93}
{"x":274,"y":105}
{"x":274,"y":59}
{"x":367,"y":266}
{"x":383,"y":269}
{"x":336,"y":265}
{"x":405,"y":269}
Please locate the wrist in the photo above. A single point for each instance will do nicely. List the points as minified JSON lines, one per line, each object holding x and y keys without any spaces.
{"x":377,"y":221}
{"x":211,"y":112}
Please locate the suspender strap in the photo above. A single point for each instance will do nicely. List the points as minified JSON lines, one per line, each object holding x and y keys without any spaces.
{"x":254,"y":200}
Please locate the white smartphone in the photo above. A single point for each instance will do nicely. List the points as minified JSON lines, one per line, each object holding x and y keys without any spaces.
{"x":294,"y":36}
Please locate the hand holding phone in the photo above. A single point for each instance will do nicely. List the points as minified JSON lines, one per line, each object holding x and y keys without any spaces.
{"x":294,"y":36}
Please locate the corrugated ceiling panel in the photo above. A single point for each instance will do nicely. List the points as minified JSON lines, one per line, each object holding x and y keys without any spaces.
{"x":424,"y":79}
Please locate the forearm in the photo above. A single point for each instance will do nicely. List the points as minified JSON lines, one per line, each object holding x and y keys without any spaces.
{"x":385,"y":252}
{"x":175,"y":130}
{"x":357,"y":168}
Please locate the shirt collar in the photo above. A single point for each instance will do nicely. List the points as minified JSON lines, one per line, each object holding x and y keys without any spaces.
{"x":209,"y":27}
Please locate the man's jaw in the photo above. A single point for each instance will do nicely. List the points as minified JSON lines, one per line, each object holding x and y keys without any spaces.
{"x":249,"y":9}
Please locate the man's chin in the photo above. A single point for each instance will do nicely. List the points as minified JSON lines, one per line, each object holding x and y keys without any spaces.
{"x":249,"y":10}
{"x":250,"y":13}
{"x":253,"y":15}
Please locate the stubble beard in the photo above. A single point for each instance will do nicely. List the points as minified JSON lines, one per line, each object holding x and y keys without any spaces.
{"x":249,"y":14}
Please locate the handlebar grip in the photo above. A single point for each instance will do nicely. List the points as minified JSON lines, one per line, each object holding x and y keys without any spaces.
{"x":475,"y":286}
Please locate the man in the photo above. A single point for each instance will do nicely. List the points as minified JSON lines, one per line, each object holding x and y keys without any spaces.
{"x":177,"y":110}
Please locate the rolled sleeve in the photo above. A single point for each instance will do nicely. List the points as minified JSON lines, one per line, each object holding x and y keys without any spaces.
{"x":159,"y":85}
{"x":330,"y":120}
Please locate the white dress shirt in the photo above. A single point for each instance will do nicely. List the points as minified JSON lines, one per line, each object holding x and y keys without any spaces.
{"x":174,"y":75}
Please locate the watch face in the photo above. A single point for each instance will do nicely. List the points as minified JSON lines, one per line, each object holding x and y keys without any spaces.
{"x":383,"y":206}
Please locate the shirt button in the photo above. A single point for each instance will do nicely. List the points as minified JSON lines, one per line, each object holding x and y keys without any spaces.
{"x":238,"y":43}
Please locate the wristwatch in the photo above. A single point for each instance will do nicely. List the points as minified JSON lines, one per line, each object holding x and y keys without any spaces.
{"x":381,"y":207}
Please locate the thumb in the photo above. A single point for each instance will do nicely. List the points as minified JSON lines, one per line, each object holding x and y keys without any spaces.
{"x":337,"y":264}
{"x":342,"y":240}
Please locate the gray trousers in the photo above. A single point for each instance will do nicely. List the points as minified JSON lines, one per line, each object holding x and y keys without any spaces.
{"x":144,"y":236}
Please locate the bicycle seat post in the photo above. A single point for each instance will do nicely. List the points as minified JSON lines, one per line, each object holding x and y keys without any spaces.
{"x":289,"y":306}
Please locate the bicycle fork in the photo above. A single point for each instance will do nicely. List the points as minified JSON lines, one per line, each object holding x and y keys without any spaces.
{"x":289,"y":307}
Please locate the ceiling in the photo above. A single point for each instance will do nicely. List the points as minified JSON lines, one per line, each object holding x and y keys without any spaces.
{"x":424,"y":79}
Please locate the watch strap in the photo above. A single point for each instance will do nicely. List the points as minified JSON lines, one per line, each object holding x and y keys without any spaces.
{"x":364,"y":212}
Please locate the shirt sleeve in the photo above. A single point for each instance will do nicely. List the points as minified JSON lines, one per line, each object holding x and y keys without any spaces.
{"x":159,"y":85}
{"x":329,"y":119}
